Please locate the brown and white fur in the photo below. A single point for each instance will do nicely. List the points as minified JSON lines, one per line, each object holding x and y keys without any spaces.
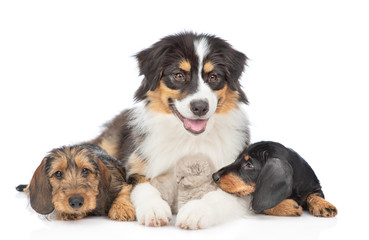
{"x":190,"y":102}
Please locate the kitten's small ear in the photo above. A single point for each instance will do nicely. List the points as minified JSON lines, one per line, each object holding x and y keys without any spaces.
{"x":195,"y":181}
{"x":186,"y":182}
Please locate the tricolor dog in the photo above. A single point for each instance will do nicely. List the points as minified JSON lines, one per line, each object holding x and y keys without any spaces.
{"x":190,"y":102}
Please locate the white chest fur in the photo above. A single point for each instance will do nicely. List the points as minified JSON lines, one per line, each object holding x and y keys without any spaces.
{"x":166,"y":140}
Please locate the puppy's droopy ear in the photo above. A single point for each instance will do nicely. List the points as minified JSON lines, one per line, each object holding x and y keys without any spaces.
{"x":40,"y":191}
{"x":105,"y":174}
{"x":150,"y":63}
{"x":273,"y":185}
{"x":236,"y":62}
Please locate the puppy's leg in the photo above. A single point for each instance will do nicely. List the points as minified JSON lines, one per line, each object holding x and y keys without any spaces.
{"x":151,"y":209}
{"x":122,"y":208}
{"x":287,"y":207}
{"x":214,"y":208}
{"x":320,"y":207}
{"x":70,"y":216}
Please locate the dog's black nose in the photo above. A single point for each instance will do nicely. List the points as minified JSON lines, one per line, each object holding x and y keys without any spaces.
{"x":216,"y":177}
{"x":76,"y":202}
{"x":199,"y":107}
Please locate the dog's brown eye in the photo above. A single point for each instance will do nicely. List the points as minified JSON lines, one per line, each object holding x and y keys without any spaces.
{"x":212,"y":78}
{"x":58,"y":174}
{"x":85,"y":172}
{"x":179,"y":77}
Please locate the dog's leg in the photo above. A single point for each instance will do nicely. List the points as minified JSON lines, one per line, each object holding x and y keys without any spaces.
{"x":151,"y":209}
{"x":320,"y":207}
{"x":70,"y":216}
{"x":214,"y":208}
{"x":287,"y":207}
{"x":122,"y":208}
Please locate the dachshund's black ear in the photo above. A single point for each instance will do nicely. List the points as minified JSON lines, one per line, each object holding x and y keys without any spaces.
{"x":273,"y":185}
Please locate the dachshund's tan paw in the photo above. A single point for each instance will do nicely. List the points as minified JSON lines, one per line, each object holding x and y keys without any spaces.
{"x":287,"y":207}
{"x":320,"y":207}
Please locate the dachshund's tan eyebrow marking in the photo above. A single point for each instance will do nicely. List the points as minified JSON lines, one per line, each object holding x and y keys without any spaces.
{"x":247,"y":157}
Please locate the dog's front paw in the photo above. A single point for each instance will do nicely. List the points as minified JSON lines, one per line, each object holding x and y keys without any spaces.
{"x":320,"y":207}
{"x":196,"y":215}
{"x":287,"y":207}
{"x":122,"y":211}
{"x":155,"y":213}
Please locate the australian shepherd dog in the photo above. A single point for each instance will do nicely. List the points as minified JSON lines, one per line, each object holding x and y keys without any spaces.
{"x":190,"y":102}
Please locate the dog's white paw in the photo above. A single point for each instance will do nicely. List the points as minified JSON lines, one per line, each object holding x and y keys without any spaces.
{"x":154,"y":213}
{"x":196,"y":214}
{"x":151,"y":209}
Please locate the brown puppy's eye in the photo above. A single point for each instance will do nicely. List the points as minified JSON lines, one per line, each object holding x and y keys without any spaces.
{"x":212,"y":78}
{"x":85,"y":172}
{"x":58,"y":175}
{"x":179,"y":77}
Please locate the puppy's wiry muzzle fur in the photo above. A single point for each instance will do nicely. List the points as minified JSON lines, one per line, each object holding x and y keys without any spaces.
{"x":88,"y":192}
{"x":73,"y":184}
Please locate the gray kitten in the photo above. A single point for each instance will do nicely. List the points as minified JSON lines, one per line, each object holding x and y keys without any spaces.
{"x":190,"y":180}
{"x":193,"y":174}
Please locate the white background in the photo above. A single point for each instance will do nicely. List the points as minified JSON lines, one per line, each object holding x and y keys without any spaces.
{"x":67,"y":67}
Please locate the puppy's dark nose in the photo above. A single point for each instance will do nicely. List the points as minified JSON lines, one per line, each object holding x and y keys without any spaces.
{"x":199,"y":107}
{"x":76,"y":201}
{"x":216,"y":177}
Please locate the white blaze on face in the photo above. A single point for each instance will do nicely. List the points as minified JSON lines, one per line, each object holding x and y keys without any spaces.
{"x":191,"y":121}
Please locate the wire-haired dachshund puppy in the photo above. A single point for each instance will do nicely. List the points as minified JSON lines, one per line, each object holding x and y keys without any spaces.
{"x":281,"y":181}
{"x":78,"y":181}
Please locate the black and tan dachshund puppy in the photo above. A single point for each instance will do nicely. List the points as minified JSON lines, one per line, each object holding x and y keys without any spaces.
{"x":281,"y":182}
{"x":78,"y":181}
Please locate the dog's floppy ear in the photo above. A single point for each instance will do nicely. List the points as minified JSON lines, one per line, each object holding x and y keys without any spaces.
{"x":40,"y":190}
{"x":236,"y":62}
{"x":104,"y":174}
{"x":104,"y":183}
{"x":150,"y":62}
{"x":273,"y":185}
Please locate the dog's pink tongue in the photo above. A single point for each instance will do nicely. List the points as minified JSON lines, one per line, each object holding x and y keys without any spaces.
{"x":195,"y":126}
